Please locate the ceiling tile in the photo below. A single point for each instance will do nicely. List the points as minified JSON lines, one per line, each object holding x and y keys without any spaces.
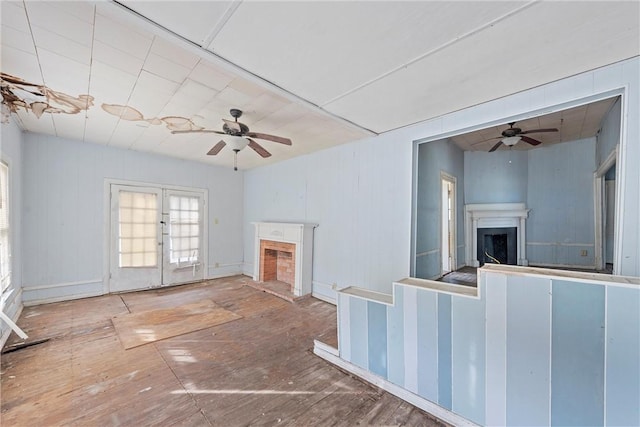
{"x":117,"y":58}
{"x":165,"y":68}
{"x":83,"y":10}
{"x":63,"y":74}
{"x":13,"y":15}
{"x":17,"y":40}
{"x":100,"y":126}
{"x":56,"y":20}
{"x":211,"y":76}
{"x":174,"y":53}
{"x":55,"y":43}
{"x":110,"y":85}
{"x":44,"y":124}
{"x":21,"y":64}
{"x":68,"y":126}
{"x":122,"y":37}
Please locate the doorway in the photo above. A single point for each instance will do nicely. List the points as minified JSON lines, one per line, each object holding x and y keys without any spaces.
{"x":156,"y":237}
{"x":448,"y":223}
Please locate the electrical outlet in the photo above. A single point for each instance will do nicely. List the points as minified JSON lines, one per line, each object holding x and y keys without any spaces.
{"x":217,"y":265}
{"x":215,"y":220}
{"x":583,"y":252}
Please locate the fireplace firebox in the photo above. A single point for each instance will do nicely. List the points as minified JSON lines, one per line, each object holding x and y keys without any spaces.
{"x":498,"y":245}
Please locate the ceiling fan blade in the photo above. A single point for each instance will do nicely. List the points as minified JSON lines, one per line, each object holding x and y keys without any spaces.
{"x":216,"y":148}
{"x":524,"y":132}
{"x":266,"y":136}
{"x":530,"y":140}
{"x":495,"y":147}
{"x":232,"y":125}
{"x":258,"y":148}
{"x":198,"y":131}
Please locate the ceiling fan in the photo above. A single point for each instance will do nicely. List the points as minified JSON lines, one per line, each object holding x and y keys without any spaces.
{"x":513,"y":135}
{"x":238,"y":136}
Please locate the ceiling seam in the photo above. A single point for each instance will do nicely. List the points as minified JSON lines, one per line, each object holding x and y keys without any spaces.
{"x":248,"y":74}
{"x":208,"y":41}
{"x":86,"y":110}
{"x":433,"y":51}
{"x":35,"y":48}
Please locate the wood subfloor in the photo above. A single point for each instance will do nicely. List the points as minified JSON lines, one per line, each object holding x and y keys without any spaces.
{"x":257,"y":370}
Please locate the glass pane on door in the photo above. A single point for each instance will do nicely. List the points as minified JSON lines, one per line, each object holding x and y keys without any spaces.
{"x":184,"y":229}
{"x":137,"y":225}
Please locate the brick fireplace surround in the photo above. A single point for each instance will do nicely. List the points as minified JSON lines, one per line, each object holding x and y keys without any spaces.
{"x":283,"y":252}
{"x":277,"y":262}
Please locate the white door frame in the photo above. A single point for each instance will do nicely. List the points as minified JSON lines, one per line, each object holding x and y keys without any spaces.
{"x":599,"y":201}
{"x":453,"y":241}
{"x":106,"y":222}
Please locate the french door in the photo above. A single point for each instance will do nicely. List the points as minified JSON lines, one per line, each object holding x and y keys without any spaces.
{"x":156,"y":237}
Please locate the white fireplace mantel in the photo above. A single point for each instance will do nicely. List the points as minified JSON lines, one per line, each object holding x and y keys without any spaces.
{"x":494,"y":215}
{"x":301,"y":235}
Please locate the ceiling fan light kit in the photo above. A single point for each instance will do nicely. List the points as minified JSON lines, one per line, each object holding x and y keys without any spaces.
{"x":510,"y":141}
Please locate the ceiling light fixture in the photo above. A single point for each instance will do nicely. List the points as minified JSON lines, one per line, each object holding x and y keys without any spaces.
{"x":237,"y":144}
{"x":510,"y":141}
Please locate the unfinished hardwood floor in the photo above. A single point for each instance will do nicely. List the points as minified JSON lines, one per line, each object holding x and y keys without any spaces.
{"x":257,"y":370}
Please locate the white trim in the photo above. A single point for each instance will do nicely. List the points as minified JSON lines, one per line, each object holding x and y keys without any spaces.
{"x":330,"y":296}
{"x":577,"y":266}
{"x":558,"y":244}
{"x":453,"y":249}
{"x":30,"y":303}
{"x":493,"y":215}
{"x":606,"y":339}
{"x":418,"y":401}
{"x":60,"y":285}
{"x":599,"y":205}
{"x":326,"y":347}
{"x":572,"y":276}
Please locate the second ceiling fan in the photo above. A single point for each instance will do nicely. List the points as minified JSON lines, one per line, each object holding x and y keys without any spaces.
{"x":513,"y":135}
{"x":240,"y":135}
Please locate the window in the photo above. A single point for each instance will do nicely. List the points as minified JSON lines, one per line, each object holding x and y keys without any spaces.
{"x":5,"y":261}
{"x":184,"y":230}
{"x":137,"y":221}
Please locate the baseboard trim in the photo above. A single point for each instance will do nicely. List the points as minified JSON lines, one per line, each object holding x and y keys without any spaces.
{"x":61,"y":298}
{"x":321,"y":350}
{"x":61,"y":285}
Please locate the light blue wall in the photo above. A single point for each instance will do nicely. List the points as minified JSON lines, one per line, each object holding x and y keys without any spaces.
{"x":530,"y":350}
{"x":359,"y":194}
{"x":63,"y":216}
{"x":609,"y":135}
{"x":498,"y":177}
{"x":433,"y":158}
{"x":11,"y":152}
{"x":560,"y":196}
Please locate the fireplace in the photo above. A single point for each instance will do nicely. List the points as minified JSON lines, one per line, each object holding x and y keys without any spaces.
{"x":284,"y":253}
{"x":497,"y":245}
{"x":495,"y":216}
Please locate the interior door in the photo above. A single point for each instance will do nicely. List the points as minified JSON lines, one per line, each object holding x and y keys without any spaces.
{"x":135,"y":254}
{"x":182,"y":237}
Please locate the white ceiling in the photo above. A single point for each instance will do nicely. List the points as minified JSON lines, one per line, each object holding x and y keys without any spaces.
{"x":320,"y":73}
